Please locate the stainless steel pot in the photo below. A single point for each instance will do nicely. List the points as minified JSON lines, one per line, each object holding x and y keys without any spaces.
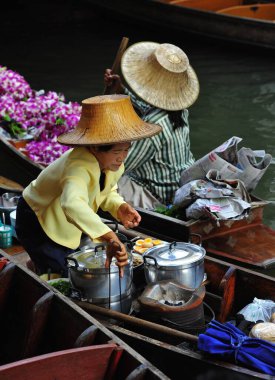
{"x":87,"y":243}
{"x":183,"y":262}
{"x":97,"y":284}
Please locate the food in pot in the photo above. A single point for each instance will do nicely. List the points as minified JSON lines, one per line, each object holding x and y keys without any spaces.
{"x":137,"y":260}
{"x":142,"y":245}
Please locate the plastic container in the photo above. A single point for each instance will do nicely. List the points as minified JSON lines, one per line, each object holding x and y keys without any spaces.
{"x":13,"y":221}
{"x":8,"y":203}
{"x":5,"y":236}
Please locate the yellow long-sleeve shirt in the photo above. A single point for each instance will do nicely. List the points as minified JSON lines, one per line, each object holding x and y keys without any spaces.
{"x":66,"y":197}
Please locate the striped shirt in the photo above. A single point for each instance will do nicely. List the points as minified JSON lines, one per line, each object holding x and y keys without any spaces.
{"x":156,"y":163}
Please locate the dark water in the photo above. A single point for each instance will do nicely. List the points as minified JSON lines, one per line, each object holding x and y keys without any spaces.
{"x":237,"y":95}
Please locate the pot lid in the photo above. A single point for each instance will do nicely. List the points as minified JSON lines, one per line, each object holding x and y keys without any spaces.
{"x":91,"y":258}
{"x":176,"y":254}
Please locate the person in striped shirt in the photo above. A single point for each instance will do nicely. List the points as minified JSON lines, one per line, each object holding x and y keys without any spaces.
{"x":162,"y":84}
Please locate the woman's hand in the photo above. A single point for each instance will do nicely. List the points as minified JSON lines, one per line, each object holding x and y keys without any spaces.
{"x":113,"y":81}
{"x":117,"y":250}
{"x":128,"y":216}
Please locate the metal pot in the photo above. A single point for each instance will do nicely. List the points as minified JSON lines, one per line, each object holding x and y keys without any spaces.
{"x":97,"y":284}
{"x":183,"y":262}
{"x":86,"y":242}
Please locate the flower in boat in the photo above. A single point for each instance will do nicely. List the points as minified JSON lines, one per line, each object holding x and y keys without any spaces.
{"x":43,"y":115}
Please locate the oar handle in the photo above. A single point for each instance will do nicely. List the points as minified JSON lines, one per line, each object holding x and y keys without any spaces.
{"x":116,"y":63}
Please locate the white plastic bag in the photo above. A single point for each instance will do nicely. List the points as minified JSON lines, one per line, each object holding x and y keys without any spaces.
{"x":231,"y":164}
{"x":258,"y":310}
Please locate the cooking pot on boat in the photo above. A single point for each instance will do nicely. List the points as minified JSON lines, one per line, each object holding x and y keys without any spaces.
{"x":8,"y":203}
{"x":86,"y":242}
{"x":179,"y":261}
{"x":100,"y":285}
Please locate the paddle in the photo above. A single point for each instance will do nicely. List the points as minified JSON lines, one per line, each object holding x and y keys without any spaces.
{"x":8,"y":184}
{"x":113,"y":314}
{"x":116,"y":63}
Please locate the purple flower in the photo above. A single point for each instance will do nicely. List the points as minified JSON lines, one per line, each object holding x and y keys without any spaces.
{"x":43,"y":115}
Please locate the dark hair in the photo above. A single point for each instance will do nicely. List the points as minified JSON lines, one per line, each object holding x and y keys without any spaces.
{"x":176,"y":119}
{"x":105,"y":148}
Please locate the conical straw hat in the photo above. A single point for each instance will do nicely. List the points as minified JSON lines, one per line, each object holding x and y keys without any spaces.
{"x":108,"y":119}
{"x":161,"y":75}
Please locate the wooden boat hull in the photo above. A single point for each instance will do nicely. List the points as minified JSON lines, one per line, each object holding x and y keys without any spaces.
{"x":229,"y":289}
{"x":173,"y":17}
{"x":37,"y":320}
{"x":246,"y":242}
{"x":58,"y":324}
{"x":17,"y":166}
{"x":247,"y":251}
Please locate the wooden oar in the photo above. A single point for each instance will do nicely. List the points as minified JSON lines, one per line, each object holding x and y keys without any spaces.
{"x":116,"y":63}
{"x":94,"y":309}
{"x":8,"y":184}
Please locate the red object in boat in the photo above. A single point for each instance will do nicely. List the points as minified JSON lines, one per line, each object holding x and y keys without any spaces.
{"x":3,"y":262}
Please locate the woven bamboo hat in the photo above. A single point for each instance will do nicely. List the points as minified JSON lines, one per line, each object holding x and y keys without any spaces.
{"x":161,"y":75}
{"x":108,"y":119}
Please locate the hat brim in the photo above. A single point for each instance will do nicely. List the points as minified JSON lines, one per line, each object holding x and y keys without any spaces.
{"x":157,"y":86}
{"x":81,"y":136}
{"x":108,"y":119}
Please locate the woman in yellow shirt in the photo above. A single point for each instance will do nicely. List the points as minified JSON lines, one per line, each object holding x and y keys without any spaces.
{"x":62,"y":203}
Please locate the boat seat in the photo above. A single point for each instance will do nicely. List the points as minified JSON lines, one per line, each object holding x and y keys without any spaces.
{"x":139,"y":373}
{"x":76,"y":331}
{"x":89,"y":363}
{"x":87,"y":338}
{"x":17,"y":299}
{"x":35,"y":328}
{"x":213,"y":5}
{"x":264,"y":12}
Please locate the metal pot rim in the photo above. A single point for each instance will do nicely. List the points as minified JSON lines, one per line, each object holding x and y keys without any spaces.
{"x":163,"y":257}
{"x":74,"y":264}
{"x":174,"y":267}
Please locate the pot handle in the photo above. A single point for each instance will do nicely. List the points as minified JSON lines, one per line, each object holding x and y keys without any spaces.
{"x":152,"y":258}
{"x":115,"y":223}
{"x":69,"y":261}
{"x":172,"y":245}
{"x":198,"y":236}
{"x":123,"y":238}
{"x":102,"y":246}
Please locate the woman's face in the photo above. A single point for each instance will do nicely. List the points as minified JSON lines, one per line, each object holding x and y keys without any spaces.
{"x":113,"y":158}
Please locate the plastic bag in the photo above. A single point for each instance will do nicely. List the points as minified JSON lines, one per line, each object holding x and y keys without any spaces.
{"x":231,"y":164}
{"x":258,"y":310}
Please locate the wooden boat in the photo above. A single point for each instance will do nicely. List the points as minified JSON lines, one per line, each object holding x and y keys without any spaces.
{"x":16,"y":165}
{"x":229,"y":289}
{"x":246,"y":242}
{"x":44,"y":327}
{"x":227,"y":20}
{"x":250,"y":235}
{"x":44,"y":335}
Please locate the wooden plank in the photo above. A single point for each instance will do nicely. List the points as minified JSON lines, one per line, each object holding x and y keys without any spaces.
{"x":78,"y":363}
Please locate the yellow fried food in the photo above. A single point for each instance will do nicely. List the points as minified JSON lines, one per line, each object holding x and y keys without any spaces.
{"x":139,"y":249}
{"x":147,"y":245}
{"x":148,"y":240}
{"x":139,"y":242}
{"x":157,"y":242}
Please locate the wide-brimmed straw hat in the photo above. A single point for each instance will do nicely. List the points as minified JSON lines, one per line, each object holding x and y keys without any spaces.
{"x":108,"y":119}
{"x":161,"y":75}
